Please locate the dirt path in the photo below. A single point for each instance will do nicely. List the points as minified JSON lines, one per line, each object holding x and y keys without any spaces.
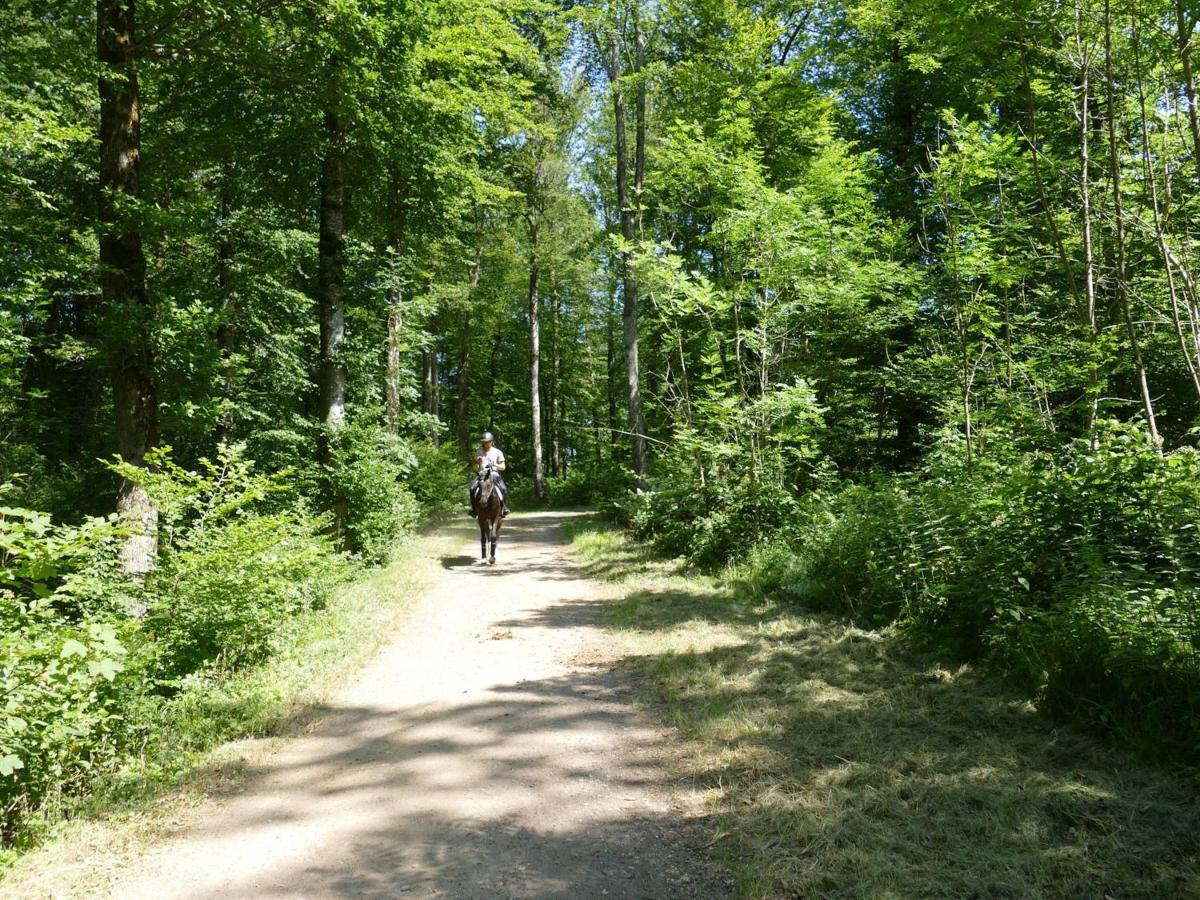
{"x":488,"y":752}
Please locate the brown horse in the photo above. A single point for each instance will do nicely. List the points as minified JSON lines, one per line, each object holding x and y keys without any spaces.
{"x":488,"y":507}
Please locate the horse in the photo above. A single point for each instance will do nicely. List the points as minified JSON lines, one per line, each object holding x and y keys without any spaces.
{"x":488,"y":506}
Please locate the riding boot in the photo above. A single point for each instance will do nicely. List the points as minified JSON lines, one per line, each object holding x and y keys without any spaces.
{"x":504,"y":512}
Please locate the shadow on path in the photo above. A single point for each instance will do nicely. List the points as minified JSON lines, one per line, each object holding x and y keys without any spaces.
{"x":473,"y":759}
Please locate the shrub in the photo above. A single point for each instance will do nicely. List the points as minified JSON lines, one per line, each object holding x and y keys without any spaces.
{"x":439,"y":479}
{"x":60,"y":718}
{"x":228,"y":574}
{"x":59,"y":691}
{"x":226,"y":589}
{"x":587,"y":487}
{"x":1077,"y":576}
{"x":713,"y":524}
{"x":367,"y":478}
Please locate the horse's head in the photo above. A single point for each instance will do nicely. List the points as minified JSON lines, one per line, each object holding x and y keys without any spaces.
{"x":487,"y":482}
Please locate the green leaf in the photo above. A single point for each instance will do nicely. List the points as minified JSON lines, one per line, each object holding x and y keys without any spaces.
{"x":105,"y":668}
{"x":9,"y":763}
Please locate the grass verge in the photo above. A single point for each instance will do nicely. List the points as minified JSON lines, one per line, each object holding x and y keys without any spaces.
{"x":841,"y":764}
{"x":209,"y":738}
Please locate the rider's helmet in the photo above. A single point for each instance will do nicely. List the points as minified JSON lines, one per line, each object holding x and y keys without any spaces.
{"x":488,"y":437}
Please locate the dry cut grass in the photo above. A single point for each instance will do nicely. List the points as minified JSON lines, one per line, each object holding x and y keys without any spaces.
{"x":839,"y":764}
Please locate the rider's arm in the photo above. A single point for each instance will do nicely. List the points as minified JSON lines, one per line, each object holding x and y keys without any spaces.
{"x":501,"y":464}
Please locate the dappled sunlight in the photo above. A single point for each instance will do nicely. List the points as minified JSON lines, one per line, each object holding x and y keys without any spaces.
{"x":490,"y":751}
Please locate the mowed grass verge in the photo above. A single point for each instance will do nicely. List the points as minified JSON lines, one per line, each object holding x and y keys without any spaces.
{"x":208,"y":741}
{"x":839,"y":764}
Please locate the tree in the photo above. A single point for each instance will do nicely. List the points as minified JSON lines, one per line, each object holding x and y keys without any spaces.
{"x":123,"y":267}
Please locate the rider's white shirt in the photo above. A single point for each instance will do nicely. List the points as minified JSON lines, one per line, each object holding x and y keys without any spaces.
{"x":493,"y":456}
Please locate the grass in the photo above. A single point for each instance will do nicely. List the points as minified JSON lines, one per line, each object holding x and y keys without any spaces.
{"x":840,"y":764}
{"x":209,"y":738}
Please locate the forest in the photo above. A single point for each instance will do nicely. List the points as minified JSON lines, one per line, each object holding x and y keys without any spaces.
{"x":885,"y":306}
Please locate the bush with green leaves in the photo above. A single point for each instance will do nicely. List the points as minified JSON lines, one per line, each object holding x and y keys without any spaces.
{"x":60,"y":693}
{"x":367,"y":478}
{"x":231,"y":570}
{"x":439,"y":478}
{"x":583,"y":486}
{"x":712,"y":524}
{"x":61,"y":713}
{"x":1077,"y":575}
{"x":89,"y":657}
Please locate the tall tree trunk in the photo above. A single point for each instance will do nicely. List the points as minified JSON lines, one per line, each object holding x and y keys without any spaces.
{"x":491,"y":418}
{"x":123,"y":270}
{"x":556,"y":404}
{"x":629,"y":312}
{"x":331,"y":297}
{"x":464,"y":360}
{"x":535,"y":362}
{"x":330,"y":275}
{"x":461,"y":386}
{"x":1114,"y":168}
{"x":431,"y":390}
{"x":1088,"y":311}
{"x":394,"y":300}
{"x":901,"y":139}
{"x":226,"y":330}
{"x":1150,"y":183}
{"x":639,"y":115}
{"x":610,"y":372}
{"x":1183,"y":34}
{"x":395,"y":321}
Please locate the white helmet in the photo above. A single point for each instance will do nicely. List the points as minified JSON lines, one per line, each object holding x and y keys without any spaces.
{"x":488,"y":437}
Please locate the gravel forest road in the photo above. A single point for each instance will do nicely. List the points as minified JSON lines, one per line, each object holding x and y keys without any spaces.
{"x":491,"y":750}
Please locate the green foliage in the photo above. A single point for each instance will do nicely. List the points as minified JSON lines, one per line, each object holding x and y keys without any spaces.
{"x":225,"y":589}
{"x":88,"y":656}
{"x":59,"y":673}
{"x":367,"y":480}
{"x":586,"y":486}
{"x":438,"y":481}
{"x":60,"y":717}
{"x":1075,"y":575}
{"x":231,"y":568}
{"x":712,"y":517}
{"x":36,"y":554}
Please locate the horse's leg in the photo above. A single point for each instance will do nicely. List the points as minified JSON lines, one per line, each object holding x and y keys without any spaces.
{"x":482,"y":541}
{"x":495,"y":530}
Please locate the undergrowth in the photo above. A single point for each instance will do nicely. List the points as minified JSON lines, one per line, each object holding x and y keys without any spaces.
{"x":109,"y":681}
{"x":315,"y":652}
{"x":1075,"y":574}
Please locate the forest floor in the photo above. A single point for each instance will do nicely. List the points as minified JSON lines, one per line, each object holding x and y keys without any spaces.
{"x":490,"y":750}
{"x":839,"y":763}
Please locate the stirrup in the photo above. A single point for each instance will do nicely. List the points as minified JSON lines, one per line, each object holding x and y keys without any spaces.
{"x":504,"y":512}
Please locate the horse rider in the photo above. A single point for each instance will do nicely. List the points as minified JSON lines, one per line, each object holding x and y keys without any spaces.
{"x":495,"y":456}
